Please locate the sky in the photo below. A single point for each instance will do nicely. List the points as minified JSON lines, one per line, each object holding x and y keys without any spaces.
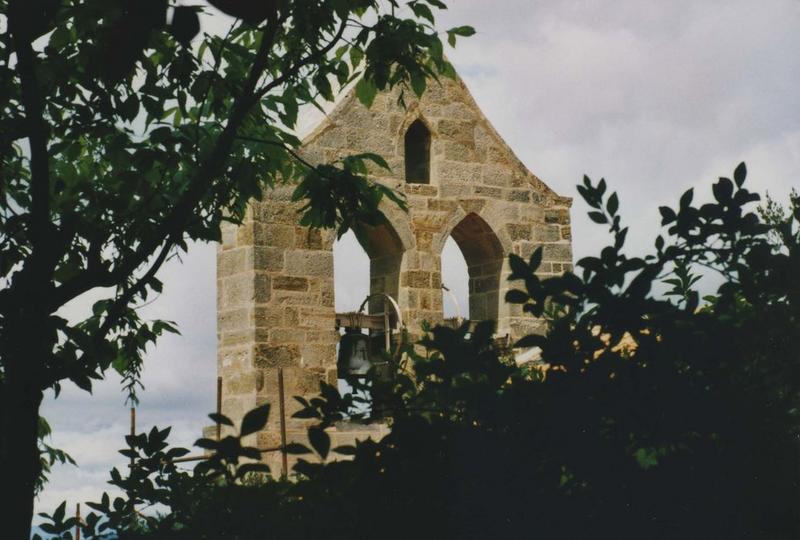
{"x":655,"y":97}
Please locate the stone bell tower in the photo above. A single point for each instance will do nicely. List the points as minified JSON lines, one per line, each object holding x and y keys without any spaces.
{"x":275,"y":294}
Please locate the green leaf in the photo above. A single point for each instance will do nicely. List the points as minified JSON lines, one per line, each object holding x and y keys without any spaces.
{"x":418,"y":83}
{"x":254,"y":420}
{"x":356,"y":56}
{"x":464,"y":31}
{"x":366,"y":91}
{"x":646,"y":458}
{"x":422,"y":11}
{"x":375,"y":158}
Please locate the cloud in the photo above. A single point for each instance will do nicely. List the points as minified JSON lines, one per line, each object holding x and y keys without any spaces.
{"x":656,"y":97}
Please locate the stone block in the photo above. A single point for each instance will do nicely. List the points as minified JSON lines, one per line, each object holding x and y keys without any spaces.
{"x":318,"y":354}
{"x":426,"y":190}
{"x":270,"y":356}
{"x":441,"y":205}
{"x":456,"y":190}
{"x":459,"y":131}
{"x":416,"y":279}
{"x":274,"y":235}
{"x":277,"y":212}
{"x":559,"y":216}
{"x":269,"y":316}
{"x":307,"y":238}
{"x":424,"y":240}
{"x":244,"y":234}
{"x":310,"y":263}
{"x":519,"y":195}
{"x":457,"y":172}
{"x":262,"y":287}
{"x":431,"y":221}
{"x":228,"y":234}
{"x":495,"y":175}
{"x":265,"y":258}
{"x":290,"y":283}
{"x":557,"y":252}
{"x":287,"y":335}
{"x":488,"y":192}
{"x":235,"y":358}
{"x":518,"y":231}
{"x":233,"y":319}
{"x":231,"y":262}
{"x":236,"y":338}
{"x":546,"y":233}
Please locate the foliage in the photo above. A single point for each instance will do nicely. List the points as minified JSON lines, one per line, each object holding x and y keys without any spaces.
{"x":647,"y":417}
{"x":125,"y":133}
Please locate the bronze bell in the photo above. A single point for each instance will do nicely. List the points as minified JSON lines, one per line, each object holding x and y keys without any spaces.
{"x":354,"y":357}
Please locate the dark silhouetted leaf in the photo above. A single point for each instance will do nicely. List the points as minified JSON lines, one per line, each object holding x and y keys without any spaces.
{"x":185,"y":24}
{"x":598,"y":217}
{"x":255,"y":420}
{"x":740,"y":174}
{"x":667,"y":215}
{"x":320,"y":440}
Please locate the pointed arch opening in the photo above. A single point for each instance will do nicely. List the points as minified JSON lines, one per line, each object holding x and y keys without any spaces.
{"x":484,"y":256}
{"x":367,"y":264}
{"x":455,"y":282}
{"x":418,"y":153}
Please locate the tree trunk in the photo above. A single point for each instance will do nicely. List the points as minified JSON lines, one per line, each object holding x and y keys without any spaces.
{"x":20,"y":463}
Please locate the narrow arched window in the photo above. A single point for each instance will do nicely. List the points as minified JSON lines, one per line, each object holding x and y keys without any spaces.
{"x":418,"y":153}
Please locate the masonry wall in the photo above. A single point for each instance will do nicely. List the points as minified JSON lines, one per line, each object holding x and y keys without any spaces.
{"x":275,"y":279}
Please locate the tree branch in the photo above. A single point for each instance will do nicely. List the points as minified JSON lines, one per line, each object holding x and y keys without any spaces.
{"x":114,"y":314}
{"x":186,"y":205}
{"x":198,"y":187}
{"x":304,"y":62}
{"x":36,"y":132}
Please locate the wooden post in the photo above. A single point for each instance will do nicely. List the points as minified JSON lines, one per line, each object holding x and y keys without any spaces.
{"x":133,"y":434}
{"x":281,"y":406}
{"x":133,"y":428}
{"x":78,"y":521}
{"x":219,"y":406}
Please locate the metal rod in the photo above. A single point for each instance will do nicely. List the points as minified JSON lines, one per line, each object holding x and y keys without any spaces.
{"x":281,"y":405}
{"x":391,"y":301}
{"x":387,"y":331}
{"x":78,"y":521}
{"x":219,"y":406}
